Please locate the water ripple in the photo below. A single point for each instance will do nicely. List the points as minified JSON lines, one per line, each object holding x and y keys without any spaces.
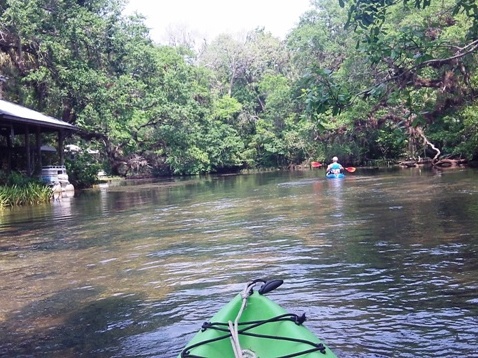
{"x":127,"y":273}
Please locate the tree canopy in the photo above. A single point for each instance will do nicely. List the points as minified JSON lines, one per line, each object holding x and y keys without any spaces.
{"x":365,"y":80}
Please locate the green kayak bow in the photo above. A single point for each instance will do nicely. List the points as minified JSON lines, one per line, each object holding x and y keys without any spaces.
{"x":253,"y":326}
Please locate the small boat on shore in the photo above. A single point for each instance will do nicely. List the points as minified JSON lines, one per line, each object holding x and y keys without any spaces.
{"x":251,"y":325}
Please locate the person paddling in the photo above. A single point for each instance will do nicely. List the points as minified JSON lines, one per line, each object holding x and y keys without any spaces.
{"x":335,"y":167}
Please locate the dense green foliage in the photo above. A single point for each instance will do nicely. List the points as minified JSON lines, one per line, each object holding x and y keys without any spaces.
{"x":360,"y":79}
{"x":82,"y":169}
{"x":16,"y":189}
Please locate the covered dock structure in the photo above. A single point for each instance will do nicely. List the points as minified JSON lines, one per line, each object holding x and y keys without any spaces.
{"x":22,"y":135}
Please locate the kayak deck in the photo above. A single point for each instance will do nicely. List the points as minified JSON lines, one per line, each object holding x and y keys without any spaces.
{"x":264,"y":329}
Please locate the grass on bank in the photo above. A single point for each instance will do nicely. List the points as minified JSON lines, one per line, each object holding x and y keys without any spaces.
{"x":16,"y":190}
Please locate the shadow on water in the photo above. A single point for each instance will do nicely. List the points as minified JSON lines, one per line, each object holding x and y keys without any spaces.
{"x":71,"y":323}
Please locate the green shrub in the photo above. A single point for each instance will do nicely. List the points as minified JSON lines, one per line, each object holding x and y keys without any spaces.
{"x":18,"y":189}
{"x":82,"y":170}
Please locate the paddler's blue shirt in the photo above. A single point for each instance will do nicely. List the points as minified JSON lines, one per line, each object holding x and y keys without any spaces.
{"x":334,"y":168}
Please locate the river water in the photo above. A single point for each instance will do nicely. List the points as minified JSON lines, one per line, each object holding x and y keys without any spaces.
{"x":384,"y":264}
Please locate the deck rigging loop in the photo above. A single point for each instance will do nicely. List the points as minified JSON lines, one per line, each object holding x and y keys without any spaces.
{"x":267,"y":286}
{"x":246,"y":326}
{"x":234,"y":326}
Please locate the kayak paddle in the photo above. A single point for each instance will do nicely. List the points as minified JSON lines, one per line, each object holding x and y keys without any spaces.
{"x":350,"y":169}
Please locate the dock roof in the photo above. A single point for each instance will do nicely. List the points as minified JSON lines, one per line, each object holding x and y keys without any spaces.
{"x":17,"y":117}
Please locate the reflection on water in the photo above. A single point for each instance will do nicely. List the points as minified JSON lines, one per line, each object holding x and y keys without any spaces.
{"x":383,"y":265}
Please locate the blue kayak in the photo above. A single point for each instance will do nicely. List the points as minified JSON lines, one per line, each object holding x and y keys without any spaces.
{"x":335,"y":176}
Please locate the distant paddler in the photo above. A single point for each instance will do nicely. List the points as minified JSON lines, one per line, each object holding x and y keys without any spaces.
{"x":335,"y":167}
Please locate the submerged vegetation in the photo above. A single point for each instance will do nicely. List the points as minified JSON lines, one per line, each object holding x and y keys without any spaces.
{"x":366,"y":81}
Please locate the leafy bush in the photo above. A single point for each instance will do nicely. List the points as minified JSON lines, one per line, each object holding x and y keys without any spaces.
{"x":82,"y":169}
{"x":18,"y":190}
{"x":14,"y":178}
